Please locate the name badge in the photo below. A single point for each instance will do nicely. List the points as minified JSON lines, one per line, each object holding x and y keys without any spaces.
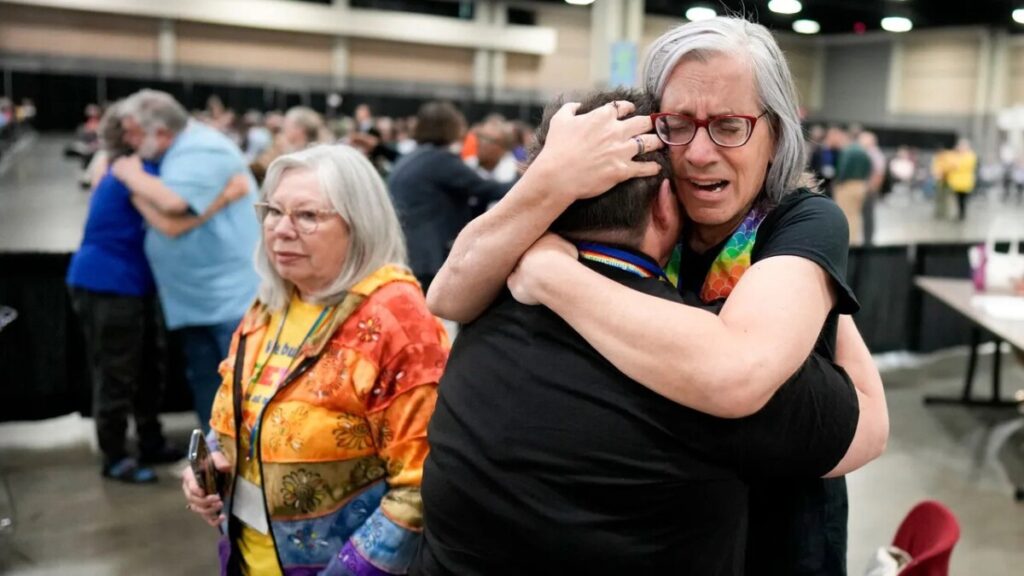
{"x":247,"y":506}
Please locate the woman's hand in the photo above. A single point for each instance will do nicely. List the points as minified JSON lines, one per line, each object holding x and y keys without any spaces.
{"x":209,"y":507}
{"x":586,"y":155}
{"x":543,"y":258}
{"x":583,"y":156}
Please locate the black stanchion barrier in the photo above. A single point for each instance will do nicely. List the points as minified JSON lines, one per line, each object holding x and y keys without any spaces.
{"x":43,"y":365}
{"x":939,"y":326}
{"x":882,"y":277}
{"x":41,"y":361}
{"x":68,"y":95}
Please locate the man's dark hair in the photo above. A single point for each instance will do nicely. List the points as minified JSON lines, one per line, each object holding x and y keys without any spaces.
{"x":626,"y":206}
{"x":438,"y":123}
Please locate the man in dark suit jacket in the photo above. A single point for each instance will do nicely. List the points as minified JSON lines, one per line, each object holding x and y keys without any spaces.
{"x":432,"y":189}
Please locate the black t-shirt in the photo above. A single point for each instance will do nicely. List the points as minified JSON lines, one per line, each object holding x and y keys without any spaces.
{"x":798,"y":526}
{"x":804,"y":224}
{"x":545,"y":459}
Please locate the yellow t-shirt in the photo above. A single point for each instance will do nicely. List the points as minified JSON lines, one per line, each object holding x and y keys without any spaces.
{"x":960,"y":174}
{"x":276,"y":357}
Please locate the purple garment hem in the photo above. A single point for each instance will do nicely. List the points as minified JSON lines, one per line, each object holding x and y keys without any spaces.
{"x":224,"y":553}
{"x":356,"y":564}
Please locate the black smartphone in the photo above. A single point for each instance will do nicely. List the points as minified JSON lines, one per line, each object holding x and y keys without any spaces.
{"x":207,"y":475}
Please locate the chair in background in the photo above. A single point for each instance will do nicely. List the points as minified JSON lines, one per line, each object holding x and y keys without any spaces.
{"x":928,"y":534}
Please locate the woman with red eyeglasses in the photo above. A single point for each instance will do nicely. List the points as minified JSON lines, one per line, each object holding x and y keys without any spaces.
{"x":763,"y":259}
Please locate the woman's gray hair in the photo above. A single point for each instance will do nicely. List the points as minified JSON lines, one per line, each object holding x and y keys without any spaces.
{"x":353,"y":188}
{"x":154,"y":109}
{"x":751,"y":42}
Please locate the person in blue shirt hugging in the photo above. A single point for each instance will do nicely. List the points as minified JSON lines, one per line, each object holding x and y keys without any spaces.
{"x":112,"y":291}
{"x":206,"y":278}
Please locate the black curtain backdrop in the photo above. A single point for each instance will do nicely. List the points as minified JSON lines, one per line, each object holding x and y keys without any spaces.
{"x":43,"y":366}
{"x":67,"y":95}
{"x":882,"y":279}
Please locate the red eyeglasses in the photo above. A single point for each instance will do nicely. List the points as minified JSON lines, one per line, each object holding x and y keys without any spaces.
{"x":727,"y":131}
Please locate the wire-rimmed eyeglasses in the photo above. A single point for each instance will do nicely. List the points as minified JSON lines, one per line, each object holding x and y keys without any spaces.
{"x":305,"y":220}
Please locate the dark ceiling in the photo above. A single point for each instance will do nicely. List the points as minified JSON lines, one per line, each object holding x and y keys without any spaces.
{"x":834,"y":16}
{"x":841,"y":16}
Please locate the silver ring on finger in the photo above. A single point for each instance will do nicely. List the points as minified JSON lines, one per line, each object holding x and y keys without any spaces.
{"x":640,"y":146}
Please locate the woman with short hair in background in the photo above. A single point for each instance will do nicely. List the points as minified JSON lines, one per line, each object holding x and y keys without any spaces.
{"x":435,"y":191}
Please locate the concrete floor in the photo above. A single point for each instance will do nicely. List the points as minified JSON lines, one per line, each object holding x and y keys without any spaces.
{"x":958,"y":456}
{"x":42,"y":208}
{"x":908,"y":218}
{"x":67,"y":520}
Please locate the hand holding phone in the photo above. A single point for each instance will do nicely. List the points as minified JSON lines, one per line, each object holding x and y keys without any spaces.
{"x":210,"y":479}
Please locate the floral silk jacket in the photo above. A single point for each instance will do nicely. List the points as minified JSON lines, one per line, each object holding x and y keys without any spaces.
{"x":341,"y":446}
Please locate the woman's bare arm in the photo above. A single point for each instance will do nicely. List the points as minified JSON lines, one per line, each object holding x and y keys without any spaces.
{"x":873,"y":424}
{"x":728,"y":365}
{"x":174,"y":226}
{"x":583,"y":156}
{"x":150,"y":188}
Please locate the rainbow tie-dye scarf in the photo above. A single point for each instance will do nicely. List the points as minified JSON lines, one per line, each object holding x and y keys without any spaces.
{"x":731,"y":263}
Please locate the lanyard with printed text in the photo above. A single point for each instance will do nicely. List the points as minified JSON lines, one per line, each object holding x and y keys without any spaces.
{"x":258,"y":370}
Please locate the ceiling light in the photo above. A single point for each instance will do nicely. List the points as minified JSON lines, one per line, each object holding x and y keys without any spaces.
{"x":1018,"y":15}
{"x":806,"y":27}
{"x":785,"y":6}
{"x":579,"y":2}
{"x":897,"y":24}
{"x":700,"y":13}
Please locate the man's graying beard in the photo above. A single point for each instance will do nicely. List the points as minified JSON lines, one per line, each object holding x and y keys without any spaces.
{"x":148,"y":150}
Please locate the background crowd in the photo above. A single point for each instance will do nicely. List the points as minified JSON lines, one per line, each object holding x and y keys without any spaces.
{"x":946,"y":175}
{"x":493,"y":145}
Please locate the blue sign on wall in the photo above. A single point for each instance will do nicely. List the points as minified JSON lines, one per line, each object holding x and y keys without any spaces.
{"x":623,"y":63}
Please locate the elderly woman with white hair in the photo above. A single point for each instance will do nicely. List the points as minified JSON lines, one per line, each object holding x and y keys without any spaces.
{"x":762,"y":260}
{"x":320,"y":422}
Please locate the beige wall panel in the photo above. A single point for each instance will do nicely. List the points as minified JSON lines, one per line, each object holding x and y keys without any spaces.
{"x":410,"y":62}
{"x":929,"y":96}
{"x":655,"y":26}
{"x":30,"y":30}
{"x":941,"y":57}
{"x":571,"y":24}
{"x":521,"y":71}
{"x":1016,"y":92}
{"x":802,"y":60}
{"x":939,"y":75}
{"x":230,"y":47}
{"x":1016,"y":79}
{"x":568,"y":68}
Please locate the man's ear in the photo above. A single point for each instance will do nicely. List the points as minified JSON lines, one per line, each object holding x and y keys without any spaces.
{"x":665,"y":208}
